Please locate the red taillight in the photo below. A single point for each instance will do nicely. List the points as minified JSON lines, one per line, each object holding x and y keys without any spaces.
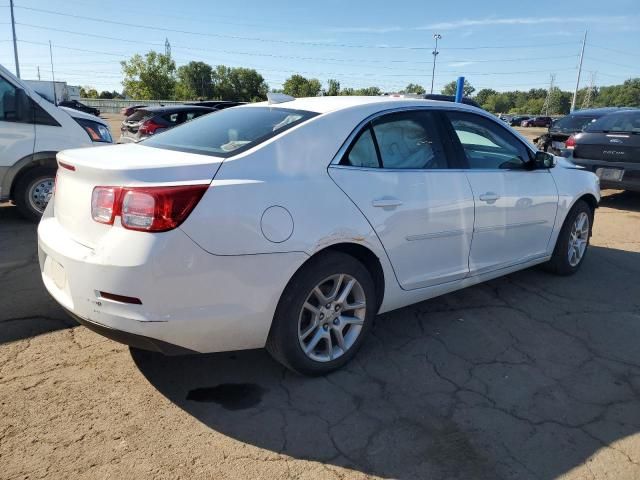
{"x":571,"y":142}
{"x":149,"y":209}
{"x":149,"y":127}
{"x":104,"y":204}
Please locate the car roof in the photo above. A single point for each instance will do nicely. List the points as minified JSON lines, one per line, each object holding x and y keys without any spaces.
{"x":176,"y":108}
{"x":600,"y":111}
{"x":331,"y":104}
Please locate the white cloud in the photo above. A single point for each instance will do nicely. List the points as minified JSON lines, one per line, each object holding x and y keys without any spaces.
{"x":460,"y":64}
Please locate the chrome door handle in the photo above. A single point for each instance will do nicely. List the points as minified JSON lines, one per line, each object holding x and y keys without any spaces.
{"x":386,"y":202}
{"x":489,"y":197}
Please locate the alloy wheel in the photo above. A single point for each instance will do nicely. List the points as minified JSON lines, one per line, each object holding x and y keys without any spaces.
{"x":578,"y":239}
{"x":40,"y":192}
{"x":331,"y":318}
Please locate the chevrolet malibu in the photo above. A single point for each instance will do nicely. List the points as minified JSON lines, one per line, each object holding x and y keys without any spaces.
{"x":291,"y":224}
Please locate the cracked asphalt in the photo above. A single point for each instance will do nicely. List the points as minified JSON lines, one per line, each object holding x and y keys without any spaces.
{"x":530,"y":376}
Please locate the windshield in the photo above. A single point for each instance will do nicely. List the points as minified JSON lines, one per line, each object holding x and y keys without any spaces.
{"x":230,"y":131}
{"x":628,"y":122}
{"x":573,"y":123}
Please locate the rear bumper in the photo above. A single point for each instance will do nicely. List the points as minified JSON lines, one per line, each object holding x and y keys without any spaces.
{"x":191,"y":300}
{"x":630,"y":179}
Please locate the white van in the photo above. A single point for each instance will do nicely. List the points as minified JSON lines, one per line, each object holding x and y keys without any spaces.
{"x":32,"y":132}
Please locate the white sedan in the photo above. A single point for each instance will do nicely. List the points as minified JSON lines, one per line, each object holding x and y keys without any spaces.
{"x":290,"y":225}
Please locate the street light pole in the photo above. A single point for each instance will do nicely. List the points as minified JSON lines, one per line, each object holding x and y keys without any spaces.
{"x":15,"y":42}
{"x":435,"y":52}
{"x":575,"y":92}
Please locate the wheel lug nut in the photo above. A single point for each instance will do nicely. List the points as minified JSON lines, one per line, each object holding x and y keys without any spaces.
{"x":328,"y":305}
{"x":321,"y":316}
{"x":336,"y":321}
{"x":325,"y":326}
{"x":337,"y":308}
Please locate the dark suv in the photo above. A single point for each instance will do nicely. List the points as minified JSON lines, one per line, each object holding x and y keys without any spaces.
{"x":76,"y":105}
{"x":151,"y":120}
{"x":610,"y":147}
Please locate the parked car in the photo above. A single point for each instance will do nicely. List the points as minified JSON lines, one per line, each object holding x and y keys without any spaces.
{"x":518,"y":119}
{"x":537,"y":122}
{"x":217,"y":104}
{"x":610,"y":147}
{"x":128,"y":111}
{"x":32,"y":131}
{"x":148,"y":121}
{"x":292,"y":224}
{"x":506,"y":118}
{"x":562,"y":129}
{"x":81,"y":107}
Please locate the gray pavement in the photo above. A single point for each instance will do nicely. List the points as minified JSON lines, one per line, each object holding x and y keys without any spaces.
{"x":528,"y":376}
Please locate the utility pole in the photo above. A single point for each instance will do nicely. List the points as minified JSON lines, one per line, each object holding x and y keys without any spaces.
{"x":15,"y":42}
{"x":167,"y":47}
{"x":435,"y":52}
{"x":53,"y":77}
{"x":38,"y":72}
{"x":575,"y":92}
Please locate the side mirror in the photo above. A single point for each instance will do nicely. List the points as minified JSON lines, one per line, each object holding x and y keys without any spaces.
{"x":543,"y":160}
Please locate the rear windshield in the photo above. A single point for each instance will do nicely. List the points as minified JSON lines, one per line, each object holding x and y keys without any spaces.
{"x":627,"y":122}
{"x":230,"y":131}
{"x":573,"y":123}
{"x":138,"y":115}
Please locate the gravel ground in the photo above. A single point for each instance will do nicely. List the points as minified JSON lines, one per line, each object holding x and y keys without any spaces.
{"x":528,"y":376}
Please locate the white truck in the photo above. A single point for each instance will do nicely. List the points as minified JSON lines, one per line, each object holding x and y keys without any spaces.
{"x":48,"y":89}
{"x":32,"y":132}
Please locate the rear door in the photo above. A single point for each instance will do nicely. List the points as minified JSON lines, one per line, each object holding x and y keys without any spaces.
{"x":515,"y":207}
{"x":397,"y":171}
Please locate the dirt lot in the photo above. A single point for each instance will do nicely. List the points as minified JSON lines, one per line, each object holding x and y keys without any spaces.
{"x":528,"y":376}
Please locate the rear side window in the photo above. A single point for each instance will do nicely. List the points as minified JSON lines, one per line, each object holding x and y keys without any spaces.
{"x":401,"y":140}
{"x":229,"y":131}
{"x":486,"y":144}
{"x":138,"y":115}
{"x":573,"y":123}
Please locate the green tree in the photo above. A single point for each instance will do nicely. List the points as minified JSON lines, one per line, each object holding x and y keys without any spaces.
{"x":414,"y":88}
{"x":368,"y":91}
{"x":625,"y":95}
{"x":194,"y":81}
{"x":239,"y":84}
{"x":483,"y":94}
{"x":150,"y":77}
{"x":333,"y":87}
{"x":450,"y":88}
{"x":299,"y":86}
{"x":106,"y":94}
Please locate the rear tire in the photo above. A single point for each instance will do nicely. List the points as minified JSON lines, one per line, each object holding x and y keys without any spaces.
{"x":33,"y":190}
{"x":573,"y":241}
{"x":315,"y":308}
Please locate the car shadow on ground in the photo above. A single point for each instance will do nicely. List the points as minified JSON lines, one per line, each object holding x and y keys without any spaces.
{"x":621,"y":200}
{"x":26,"y":309}
{"x":526,"y":376}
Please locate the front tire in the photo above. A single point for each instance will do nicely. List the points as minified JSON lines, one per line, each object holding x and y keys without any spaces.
{"x":573,"y":241}
{"x":33,"y":190}
{"x":323,"y":315}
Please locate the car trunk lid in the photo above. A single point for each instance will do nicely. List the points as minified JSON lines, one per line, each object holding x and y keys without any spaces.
{"x":608,"y":146}
{"x":130,"y":165}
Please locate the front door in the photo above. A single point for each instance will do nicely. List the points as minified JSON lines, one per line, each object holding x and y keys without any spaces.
{"x":515,"y":206}
{"x":396,"y":171}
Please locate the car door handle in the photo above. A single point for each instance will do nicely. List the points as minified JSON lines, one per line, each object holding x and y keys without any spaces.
{"x":489,"y":197}
{"x":386,"y":202}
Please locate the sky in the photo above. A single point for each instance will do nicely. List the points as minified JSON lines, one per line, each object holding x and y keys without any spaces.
{"x":503,"y":44}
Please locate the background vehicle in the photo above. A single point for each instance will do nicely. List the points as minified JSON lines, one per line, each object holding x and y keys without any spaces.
{"x":537,"y":122}
{"x":32,"y":131}
{"x":76,"y":105}
{"x":610,"y":147}
{"x":230,"y":232}
{"x":127,"y":111}
{"x":148,"y":121}
{"x":217,"y":104}
{"x":506,"y":118}
{"x":49,"y":90}
{"x":518,"y":119}
{"x":562,"y":129}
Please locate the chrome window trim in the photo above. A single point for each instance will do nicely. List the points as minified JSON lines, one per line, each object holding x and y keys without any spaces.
{"x":335,"y":161}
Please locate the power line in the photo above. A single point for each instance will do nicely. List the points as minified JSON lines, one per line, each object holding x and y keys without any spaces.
{"x":287,"y":42}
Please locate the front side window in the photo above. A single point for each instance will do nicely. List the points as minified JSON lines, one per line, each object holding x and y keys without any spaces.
{"x":10,"y":108}
{"x":229,"y":131}
{"x":486,"y":144}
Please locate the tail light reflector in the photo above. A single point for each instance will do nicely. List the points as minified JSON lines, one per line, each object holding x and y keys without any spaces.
{"x":571,"y":142}
{"x":149,"y":209}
